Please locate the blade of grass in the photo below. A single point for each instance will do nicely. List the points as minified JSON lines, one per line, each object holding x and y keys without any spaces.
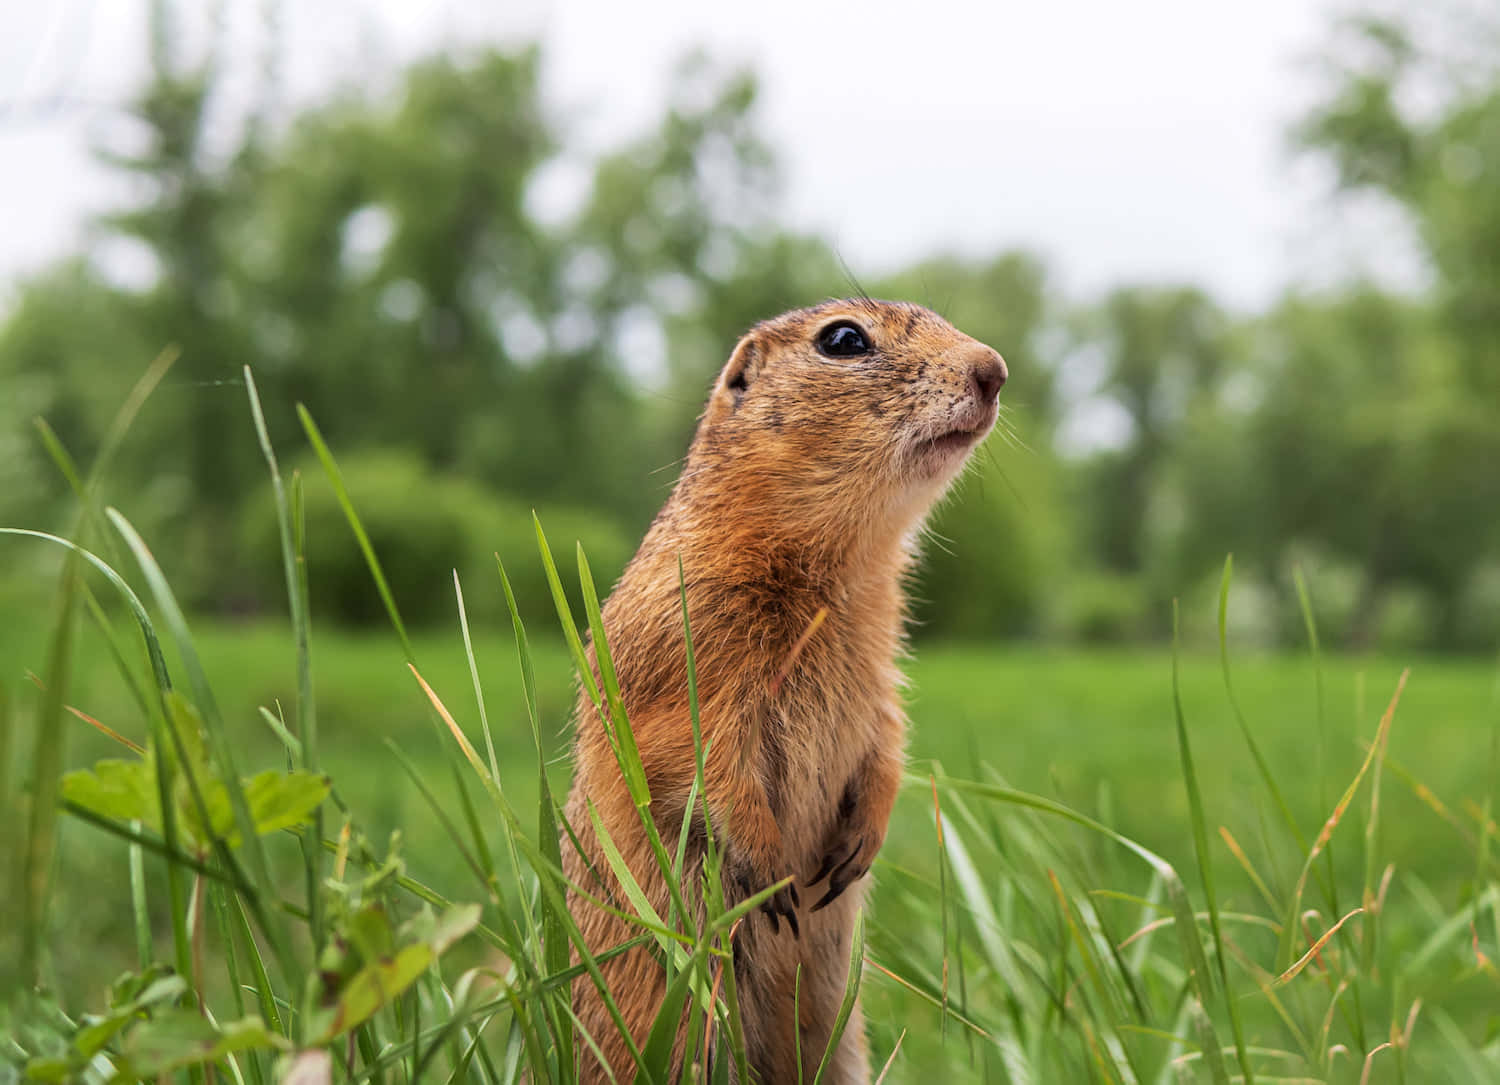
{"x":630,"y":754}
{"x":341,"y":494}
{"x":553,"y":935}
{"x":305,"y":715}
{"x":139,"y":907}
{"x":1200,"y":847}
{"x":656,"y":1055}
{"x":1309,"y":621}
{"x":851,"y":993}
{"x":1262,"y":766}
{"x":712,"y":868}
{"x":47,"y":755}
{"x":46,"y":768}
{"x":484,"y":719}
{"x":111,"y":640}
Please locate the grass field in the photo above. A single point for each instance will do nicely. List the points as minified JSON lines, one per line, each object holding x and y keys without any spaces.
{"x":1094,"y":730}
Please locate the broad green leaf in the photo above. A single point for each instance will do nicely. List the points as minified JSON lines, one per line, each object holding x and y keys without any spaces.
{"x":372,"y":987}
{"x":122,"y":790}
{"x":282,"y":800}
{"x":369,"y":930}
{"x":126,"y":791}
{"x":51,"y":1069}
{"x":185,"y":1038}
{"x":91,"y":1039}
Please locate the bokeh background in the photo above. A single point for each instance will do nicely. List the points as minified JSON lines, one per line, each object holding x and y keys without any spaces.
{"x":1243,"y":267}
{"x":1244,"y":263}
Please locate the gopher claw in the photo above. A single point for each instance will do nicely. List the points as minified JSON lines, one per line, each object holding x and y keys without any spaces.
{"x":841,"y":870}
{"x":782,"y":904}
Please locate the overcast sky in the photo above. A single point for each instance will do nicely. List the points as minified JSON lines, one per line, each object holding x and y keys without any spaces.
{"x":1123,"y":141}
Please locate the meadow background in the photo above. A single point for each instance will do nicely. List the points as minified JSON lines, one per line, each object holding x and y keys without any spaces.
{"x":379,"y":258}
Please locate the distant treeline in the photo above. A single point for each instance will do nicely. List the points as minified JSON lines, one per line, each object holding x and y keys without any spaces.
{"x":383,"y":259}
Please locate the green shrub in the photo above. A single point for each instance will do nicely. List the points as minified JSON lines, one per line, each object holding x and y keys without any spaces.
{"x":423,"y":525}
{"x":1333,"y":587}
{"x":1477,"y":620}
{"x":1100,"y":608}
{"x":1408,"y":620}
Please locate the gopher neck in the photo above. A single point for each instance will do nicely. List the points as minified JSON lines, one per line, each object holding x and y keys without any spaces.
{"x":755,"y":586}
{"x":773,"y":574}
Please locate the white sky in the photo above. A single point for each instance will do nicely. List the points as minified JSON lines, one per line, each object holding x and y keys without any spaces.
{"x":1123,"y":141}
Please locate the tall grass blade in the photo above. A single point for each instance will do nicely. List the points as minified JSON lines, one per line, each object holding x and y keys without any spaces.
{"x":565,"y":618}
{"x":1261,"y":764}
{"x":627,"y":751}
{"x":484,"y":718}
{"x":37,"y":846}
{"x":1200,"y":846}
{"x":1213,"y":1058}
{"x":305,"y":715}
{"x":443,"y":819}
{"x":46,"y":768}
{"x":712,"y":867}
{"x":1309,"y":621}
{"x":656,"y":1055}
{"x":341,"y":494}
{"x":553,"y":933}
{"x":132,"y":601}
{"x":139,"y":908}
{"x":61,"y":457}
{"x":851,"y":993}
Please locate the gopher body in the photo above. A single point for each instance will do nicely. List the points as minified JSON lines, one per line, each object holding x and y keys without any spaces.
{"x":827,"y":438}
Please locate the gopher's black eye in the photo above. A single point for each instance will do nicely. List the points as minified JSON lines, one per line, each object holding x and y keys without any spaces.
{"x":842,"y":340}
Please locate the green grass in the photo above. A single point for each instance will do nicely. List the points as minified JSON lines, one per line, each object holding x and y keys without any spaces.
{"x":1091,"y":729}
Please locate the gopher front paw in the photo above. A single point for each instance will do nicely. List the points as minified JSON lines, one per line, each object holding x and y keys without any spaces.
{"x":782,"y":904}
{"x":844,"y":864}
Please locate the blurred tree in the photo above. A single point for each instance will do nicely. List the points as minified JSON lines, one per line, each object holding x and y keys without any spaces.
{"x":66,"y":355}
{"x":1411,"y":110}
{"x":390,"y":250}
{"x":1356,"y":437}
{"x":1163,"y":349}
{"x":181,"y":291}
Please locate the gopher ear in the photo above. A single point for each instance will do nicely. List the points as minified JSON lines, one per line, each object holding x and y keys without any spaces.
{"x":742,"y":369}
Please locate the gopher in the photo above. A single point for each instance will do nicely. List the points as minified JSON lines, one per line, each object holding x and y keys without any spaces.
{"x":828,"y":436}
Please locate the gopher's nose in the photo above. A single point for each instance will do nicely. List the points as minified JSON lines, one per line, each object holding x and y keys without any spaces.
{"x":986,"y":376}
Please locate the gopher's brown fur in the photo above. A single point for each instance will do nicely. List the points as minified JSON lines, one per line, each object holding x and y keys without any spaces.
{"x":811,"y":471}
